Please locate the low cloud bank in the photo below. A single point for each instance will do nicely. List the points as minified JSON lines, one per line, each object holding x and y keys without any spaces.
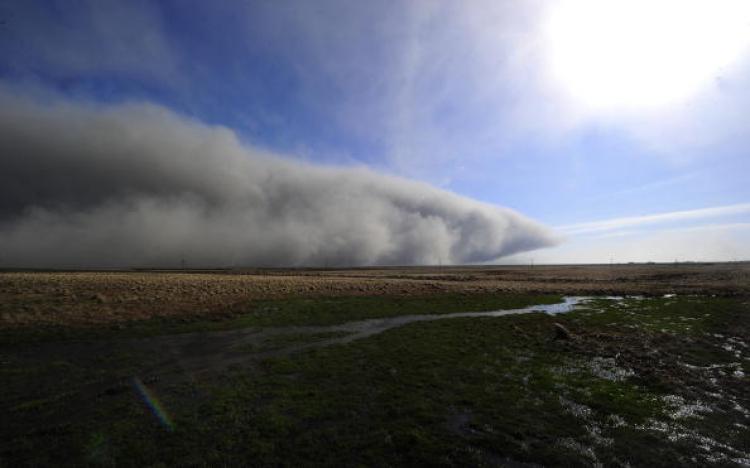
{"x":83,"y":185}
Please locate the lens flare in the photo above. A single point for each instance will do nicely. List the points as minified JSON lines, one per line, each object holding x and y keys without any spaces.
{"x":153,"y":404}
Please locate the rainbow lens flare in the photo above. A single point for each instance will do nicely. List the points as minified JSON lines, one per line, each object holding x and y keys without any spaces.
{"x":153,"y":404}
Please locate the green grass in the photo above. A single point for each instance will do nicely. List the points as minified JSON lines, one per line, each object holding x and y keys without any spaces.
{"x":338,"y":310}
{"x":399,"y":397}
{"x":451,"y":392}
{"x":689,"y":315}
{"x":472,"y":391}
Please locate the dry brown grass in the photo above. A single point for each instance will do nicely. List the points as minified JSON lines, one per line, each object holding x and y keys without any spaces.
{"x":88,"y":298}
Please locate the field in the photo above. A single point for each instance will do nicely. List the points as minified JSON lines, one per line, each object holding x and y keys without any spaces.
{"x":341,"y":367}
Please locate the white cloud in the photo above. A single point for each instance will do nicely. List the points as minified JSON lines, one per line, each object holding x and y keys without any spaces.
{"x":719,"y":233}
{"x":685,"y":215}
{"x":135,"y":184}
{"x":712,"y":242}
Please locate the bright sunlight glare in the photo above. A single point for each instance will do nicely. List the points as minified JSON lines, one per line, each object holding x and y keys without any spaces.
{"x":643,"y":54}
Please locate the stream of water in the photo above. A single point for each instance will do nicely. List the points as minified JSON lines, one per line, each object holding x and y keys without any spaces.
{"x":205,"y":351}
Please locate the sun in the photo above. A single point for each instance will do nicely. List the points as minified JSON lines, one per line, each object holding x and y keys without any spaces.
{"x":636,"y":54}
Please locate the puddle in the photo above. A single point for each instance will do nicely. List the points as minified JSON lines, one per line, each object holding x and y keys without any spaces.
{"x":680,"y":409}
{"x":576,"y":409}
{"x":606,"y":368}
{"x":714,"y":450}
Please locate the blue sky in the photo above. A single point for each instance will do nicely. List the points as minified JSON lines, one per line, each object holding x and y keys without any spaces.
{"x":482,"y":99}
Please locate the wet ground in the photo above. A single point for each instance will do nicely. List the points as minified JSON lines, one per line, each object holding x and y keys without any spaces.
{"x":177,"y":357}
{"x":631,"y":381}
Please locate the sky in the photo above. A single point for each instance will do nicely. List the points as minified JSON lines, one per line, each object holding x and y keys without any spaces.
{"x":467,"y":132}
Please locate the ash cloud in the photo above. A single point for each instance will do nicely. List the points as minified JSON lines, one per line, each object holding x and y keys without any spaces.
{"x":84,"y":185}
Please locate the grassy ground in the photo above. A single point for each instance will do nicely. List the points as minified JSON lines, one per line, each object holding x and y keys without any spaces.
{"x":285,"y":312}
{"x":642,"y":382}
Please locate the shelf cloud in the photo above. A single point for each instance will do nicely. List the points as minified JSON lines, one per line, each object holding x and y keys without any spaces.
{"x":91,"y":185}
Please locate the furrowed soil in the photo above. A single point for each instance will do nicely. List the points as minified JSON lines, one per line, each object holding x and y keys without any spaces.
{"x":324,"y":367}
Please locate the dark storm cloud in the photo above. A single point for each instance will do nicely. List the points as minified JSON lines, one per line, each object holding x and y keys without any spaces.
{"x":135,"y":184}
